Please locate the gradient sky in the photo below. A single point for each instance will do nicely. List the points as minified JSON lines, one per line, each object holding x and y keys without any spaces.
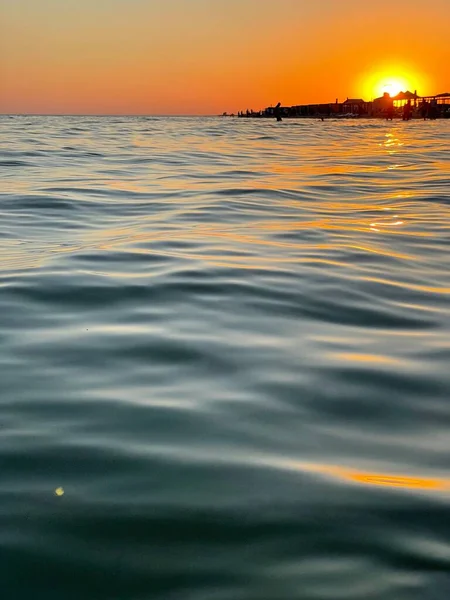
{"x":208,"y":56}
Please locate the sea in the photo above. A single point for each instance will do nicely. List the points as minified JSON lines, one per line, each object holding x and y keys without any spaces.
{"x":224,"y":359}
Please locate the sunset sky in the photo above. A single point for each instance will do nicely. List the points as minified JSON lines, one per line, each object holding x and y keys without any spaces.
{"x":210,"y":56}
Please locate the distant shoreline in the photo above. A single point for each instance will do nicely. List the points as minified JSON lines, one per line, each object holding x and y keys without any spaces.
{"x":404,"y":104}
{"x":336,"y":117}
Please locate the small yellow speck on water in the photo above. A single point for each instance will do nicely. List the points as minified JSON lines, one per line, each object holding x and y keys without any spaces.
{"x":59,"y":491}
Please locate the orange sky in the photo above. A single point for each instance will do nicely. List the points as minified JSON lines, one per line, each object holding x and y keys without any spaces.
{"x":208,"y":56}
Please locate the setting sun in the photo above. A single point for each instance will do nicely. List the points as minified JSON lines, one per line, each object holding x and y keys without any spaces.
{"x":392,"y":87}
{"x":392,"y":80}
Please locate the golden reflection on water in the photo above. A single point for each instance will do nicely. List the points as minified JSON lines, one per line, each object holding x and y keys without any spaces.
{"x":391,"y":142}
{"x":382,"y":479}
{"x":366,"y":358}
{"x":375,"y":479}
{"x":141,"y":241}
{"x":385,"y":224}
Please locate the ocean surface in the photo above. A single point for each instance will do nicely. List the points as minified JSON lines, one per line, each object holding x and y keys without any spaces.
{"x":224,"y":359}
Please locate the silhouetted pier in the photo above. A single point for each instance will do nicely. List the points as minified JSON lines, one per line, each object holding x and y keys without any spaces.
{"x":433,"y":107}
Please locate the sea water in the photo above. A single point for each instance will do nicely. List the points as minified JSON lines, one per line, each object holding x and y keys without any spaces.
{"x":224,"y":359}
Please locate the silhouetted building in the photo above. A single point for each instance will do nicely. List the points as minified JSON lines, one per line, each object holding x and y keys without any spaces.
{"x":356,"y":106}
{"x":402,"y":98}
{"x":383,"y":107}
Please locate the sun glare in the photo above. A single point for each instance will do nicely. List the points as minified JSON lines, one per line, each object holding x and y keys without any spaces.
{"x":392,"y":87}
{"x":391,"y":80}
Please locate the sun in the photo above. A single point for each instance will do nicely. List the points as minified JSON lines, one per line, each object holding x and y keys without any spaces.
{"x":392,"y":86}
{"x":391,"y":79}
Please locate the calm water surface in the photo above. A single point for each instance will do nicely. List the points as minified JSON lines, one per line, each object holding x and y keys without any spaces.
{"x":228,"y":341}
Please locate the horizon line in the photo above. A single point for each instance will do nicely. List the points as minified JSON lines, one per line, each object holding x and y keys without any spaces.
{"x":30,"y":114}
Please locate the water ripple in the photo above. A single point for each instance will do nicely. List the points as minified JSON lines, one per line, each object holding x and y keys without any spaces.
{"x":224,"y":359}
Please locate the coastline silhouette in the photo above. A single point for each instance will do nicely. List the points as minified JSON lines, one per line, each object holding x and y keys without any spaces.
{"x":405,"y":105}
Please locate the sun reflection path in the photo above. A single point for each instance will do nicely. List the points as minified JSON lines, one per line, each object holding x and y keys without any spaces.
{"x":381,"y":479}
{"x":375,"y":479}
{"x":376,"y":225}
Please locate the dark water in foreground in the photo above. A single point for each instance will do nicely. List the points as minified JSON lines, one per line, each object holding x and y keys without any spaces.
{"x":229,"y":343}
